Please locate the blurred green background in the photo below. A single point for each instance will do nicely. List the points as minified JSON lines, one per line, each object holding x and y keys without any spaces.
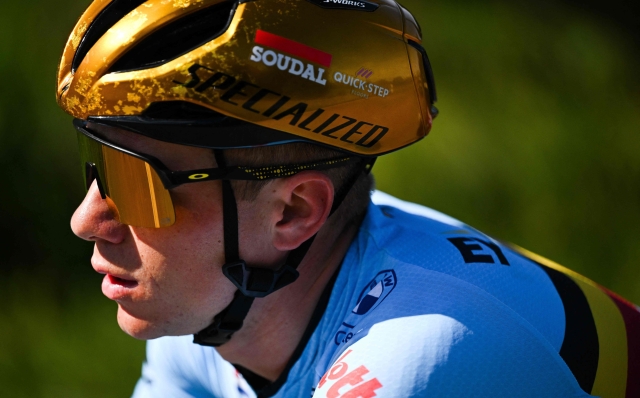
{"x":537,"y":144}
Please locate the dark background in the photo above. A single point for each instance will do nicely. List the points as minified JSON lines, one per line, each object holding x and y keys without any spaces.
{"x":537,"y":144}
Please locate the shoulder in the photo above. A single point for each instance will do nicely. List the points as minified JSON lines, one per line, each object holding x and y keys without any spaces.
{"x":433,"y":293}
{"x":431,"y":302}
{"x":430,"y":251}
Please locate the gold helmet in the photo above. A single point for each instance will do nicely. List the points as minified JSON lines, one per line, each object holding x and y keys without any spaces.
{"x":348,"y":74}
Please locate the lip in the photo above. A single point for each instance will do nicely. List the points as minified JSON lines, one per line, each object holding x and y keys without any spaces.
{"x":115,"y":285}
{"x":116,"y":288}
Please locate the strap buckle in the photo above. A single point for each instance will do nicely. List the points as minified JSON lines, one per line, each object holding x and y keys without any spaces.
{"x":217,"y":333}
{"x":258,"y":282}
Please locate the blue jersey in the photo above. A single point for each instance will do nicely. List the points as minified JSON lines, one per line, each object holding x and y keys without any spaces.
{"x":422,"y":306}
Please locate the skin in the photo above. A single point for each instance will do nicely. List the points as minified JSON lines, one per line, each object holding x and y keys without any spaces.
{"x":169,"y":281}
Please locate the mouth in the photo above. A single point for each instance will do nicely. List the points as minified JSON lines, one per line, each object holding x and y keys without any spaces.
{"x":125,"y":283}
{"x":118,"y":288}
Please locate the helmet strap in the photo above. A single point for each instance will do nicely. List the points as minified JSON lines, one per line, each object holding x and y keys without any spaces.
{"x":254,"y":282}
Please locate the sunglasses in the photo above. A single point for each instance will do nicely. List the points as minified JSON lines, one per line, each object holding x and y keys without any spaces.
{"x":136,"y":186}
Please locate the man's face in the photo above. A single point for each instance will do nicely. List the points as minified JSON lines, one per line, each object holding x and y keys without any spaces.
{"x":166,"y":281}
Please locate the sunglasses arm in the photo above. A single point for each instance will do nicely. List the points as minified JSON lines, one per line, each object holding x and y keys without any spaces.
{"x":190,"y":176}
{"x":252,"y":173}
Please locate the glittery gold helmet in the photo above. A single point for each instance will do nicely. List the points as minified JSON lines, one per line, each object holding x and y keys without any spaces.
{"x":348,"y":74}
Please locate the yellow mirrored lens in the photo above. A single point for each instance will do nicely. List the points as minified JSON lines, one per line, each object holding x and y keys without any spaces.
{"x":134,"y":190}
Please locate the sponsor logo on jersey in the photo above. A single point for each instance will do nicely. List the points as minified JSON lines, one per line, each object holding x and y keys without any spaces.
{"x":375,"y":292}
{"x":301,"y":62}
{"x":361,"y":5}
{"x":476,"y":250}
{"x":348,"y":380}
{"x":256,"y":99}
{"x":344,"y":336}
{"x":360,"y":86}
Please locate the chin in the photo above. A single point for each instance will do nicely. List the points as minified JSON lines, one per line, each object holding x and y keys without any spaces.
{"x":135,"y":327}
{"x":149,"y":329}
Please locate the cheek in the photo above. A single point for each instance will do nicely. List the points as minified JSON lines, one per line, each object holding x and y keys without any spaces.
{"x":186,"y":259}
{"x":183,"y":282}
{"x":182,"y":264}
{"x":197,"y":233}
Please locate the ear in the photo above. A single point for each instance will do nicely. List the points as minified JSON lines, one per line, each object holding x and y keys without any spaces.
{"x":305,"y":203}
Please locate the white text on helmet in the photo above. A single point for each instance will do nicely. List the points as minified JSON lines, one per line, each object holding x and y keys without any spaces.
{"x":346,"y":3}
{"x":291,"y":65}
{"x":360,"y":84}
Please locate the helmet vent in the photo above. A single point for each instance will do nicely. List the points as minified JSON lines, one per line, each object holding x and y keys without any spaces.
{"x":177,"y":38}
{"x":108,"y":17}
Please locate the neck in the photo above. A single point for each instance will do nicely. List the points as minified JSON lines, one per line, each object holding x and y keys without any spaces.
{"x":275,"y":324}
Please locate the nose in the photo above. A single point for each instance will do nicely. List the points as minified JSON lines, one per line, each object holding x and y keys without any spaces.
{"x":94,"y":220}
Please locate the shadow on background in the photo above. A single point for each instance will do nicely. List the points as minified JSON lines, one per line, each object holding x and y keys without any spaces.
{"x":537,"y":144}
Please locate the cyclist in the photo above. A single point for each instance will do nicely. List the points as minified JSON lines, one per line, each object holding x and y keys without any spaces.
{"x":226,"y":149}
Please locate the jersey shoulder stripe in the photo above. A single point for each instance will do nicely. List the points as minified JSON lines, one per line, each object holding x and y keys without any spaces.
{"x":601,"y":344}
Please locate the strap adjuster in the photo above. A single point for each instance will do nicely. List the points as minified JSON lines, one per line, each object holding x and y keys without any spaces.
{"x":217,"y":333}
{"x":258,"y":282}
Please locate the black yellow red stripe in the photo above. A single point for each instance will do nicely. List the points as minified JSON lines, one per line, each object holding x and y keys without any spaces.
{"x":611,"y":376}
{"x":631,"y":316}
{"x":601,"y":344}
{"x":580,"y":348}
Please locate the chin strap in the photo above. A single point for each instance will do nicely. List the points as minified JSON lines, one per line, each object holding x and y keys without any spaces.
{"x":254,"y":282}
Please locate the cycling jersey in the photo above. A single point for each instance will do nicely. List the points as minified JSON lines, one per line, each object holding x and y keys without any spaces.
{"x":424,"y":305}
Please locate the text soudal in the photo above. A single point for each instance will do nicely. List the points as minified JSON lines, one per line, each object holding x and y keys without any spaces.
{"x":289,"y":64}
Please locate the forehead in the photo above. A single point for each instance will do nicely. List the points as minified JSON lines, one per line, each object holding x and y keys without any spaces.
{"x":175,"y":156}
